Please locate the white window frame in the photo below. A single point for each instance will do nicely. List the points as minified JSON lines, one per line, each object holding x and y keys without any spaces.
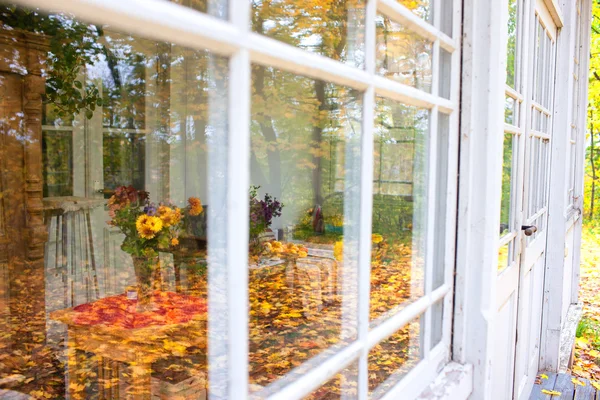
{"x":164,"y":21}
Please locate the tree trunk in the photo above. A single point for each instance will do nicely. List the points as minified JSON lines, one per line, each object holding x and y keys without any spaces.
{"x":593,"y":167}
{"x":317,"y":138}
{"x":268,"y":130}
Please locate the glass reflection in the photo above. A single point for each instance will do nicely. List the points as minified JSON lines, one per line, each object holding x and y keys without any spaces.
{"x":445,"y":73}
{"x":394,"y":357}
{"x":333,"y":29}
{"x":216,"y":8}
{"x":504,"y":256}
{"x":305,"y":166}
{"x":421,"y":8}
{"x":507,"y":173}
{"x":511,"y":52}
{"x":342,"y":386}
{"x":399,"y":219}
{"x":510,"y":110}
{"x":447,"y":17}
{"x":443,"y":165}
{"x":117,"y":309}
{"x":403,"y":55}
{"x":437,"y":323}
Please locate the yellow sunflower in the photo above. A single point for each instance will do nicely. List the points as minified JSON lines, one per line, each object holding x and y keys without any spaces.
{"x":168,"y":215}
{"x":147,"y":226}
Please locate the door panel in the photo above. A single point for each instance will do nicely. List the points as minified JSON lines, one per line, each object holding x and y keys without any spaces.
{"x":538,"y":129}
{"x":525,"y":183}
{"x":504,"y":347}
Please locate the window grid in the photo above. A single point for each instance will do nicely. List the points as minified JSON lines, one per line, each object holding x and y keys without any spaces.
{"x":516,"y":129}
{"x":172,"y":23}
{"x":572,"y":142}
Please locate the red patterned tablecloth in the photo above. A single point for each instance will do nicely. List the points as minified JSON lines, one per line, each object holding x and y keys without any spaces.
{"x":119,"y":311}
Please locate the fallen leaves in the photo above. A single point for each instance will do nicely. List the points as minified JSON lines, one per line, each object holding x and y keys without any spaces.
{"x":577,"y":382}
{"x":587,"y":344}
{"x":551,"y":392}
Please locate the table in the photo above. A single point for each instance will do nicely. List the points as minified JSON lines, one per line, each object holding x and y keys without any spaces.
{"x":111,"y":329}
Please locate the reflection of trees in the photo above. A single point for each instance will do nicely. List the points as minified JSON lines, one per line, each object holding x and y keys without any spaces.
{"x":72,"y":45}
{"x":512,"y":43}
{"x":333,"y":30}
{"x":506,"y":183}
{"x":403,"y":55}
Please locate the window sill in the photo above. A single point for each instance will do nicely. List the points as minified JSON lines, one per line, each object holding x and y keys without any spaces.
{"x":454,"y":382}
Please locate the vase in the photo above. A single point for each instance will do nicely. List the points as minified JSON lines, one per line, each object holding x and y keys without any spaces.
{"x":145,"y":269}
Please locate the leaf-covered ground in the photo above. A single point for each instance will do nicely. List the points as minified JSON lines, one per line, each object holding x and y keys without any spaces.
{"x":587,"y":345}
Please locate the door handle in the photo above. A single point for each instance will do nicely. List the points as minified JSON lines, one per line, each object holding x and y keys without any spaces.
{"x":529,"y":229}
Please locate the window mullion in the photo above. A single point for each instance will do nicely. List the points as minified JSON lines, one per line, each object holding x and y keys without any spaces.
{"x":431,"y":221}
{"x":366,"y":203}
{"x":431,"y":185}
{"x":238,"y":182}
{"x":452,"y":190}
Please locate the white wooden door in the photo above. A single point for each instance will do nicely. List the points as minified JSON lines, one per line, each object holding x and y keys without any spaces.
{"x":538,"y":128}
{"x":525,"y":198}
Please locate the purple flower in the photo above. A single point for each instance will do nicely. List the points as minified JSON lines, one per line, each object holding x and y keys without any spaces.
{"x":150,"y":209}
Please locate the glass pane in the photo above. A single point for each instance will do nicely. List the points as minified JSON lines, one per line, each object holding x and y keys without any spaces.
{"x":511,"y":52}
{"x":445,"y":73}
{"x":305,"y":170}
{"x":51,"y":115}
{"x":399,"y":218}
{"x":442,"y":162}
{"x":394,"y":357}
{"x":57,"y":155}
{"x":334,"y":29}
{"x":446,"y":17}
{"x":504,"y":256}
{"x":403,"y":55}
{"x":115,"y":309}
{"x":342,"y":386}
{"x":507,"y":173}
{"x":216,"y":8}
{"x":437,"y":323}
{"x":511,"y":107}
{"x":421,"y":8}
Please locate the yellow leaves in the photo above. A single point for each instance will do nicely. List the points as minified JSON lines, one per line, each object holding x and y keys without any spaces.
{"x":265,"y":307}
{"x":544,"y":376}
{"x":338,"y":250}
{"x":294,"y":314}
{"x":577,"y":382}
{"x":40,"y":394}
{"x":551,"y":392}
{"x":594,"y":353}
{"x":177,"y":348}
{"x":582,"y":342}
{"x":595,"y":385}
{"x":76,"y":387}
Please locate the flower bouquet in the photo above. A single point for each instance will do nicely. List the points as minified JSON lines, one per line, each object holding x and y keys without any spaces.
{"x":262,"y":213}
{"x":148,"y":229}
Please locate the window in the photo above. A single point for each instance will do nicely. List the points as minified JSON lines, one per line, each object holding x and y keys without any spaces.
{"x":513,"y":131}
{"x":277,"y":181}
{"x":575,"y":128}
